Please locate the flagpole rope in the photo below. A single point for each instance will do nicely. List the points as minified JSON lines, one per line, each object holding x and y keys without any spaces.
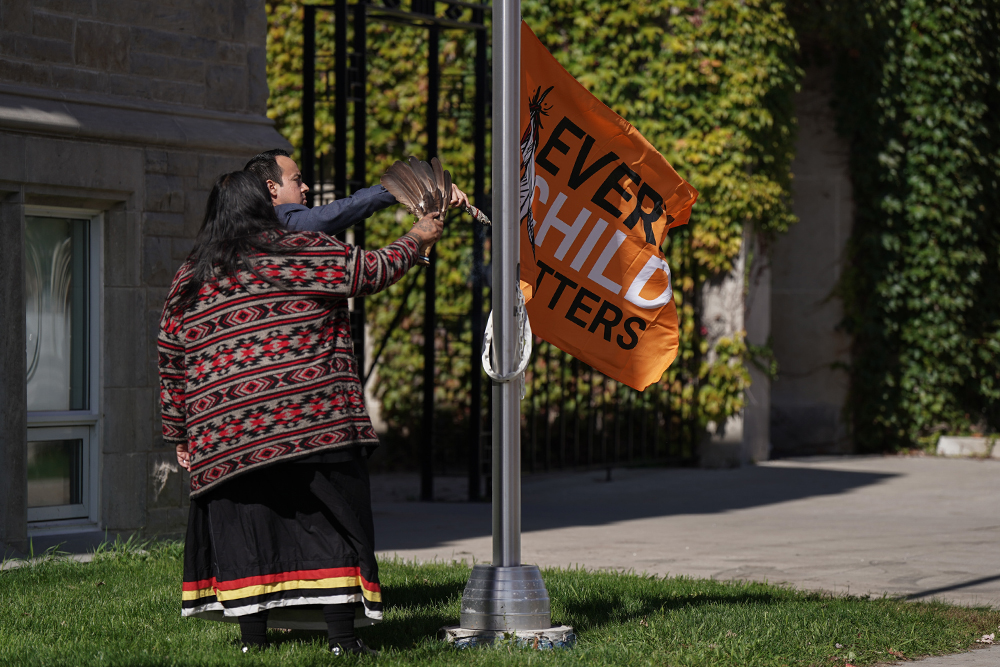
{"x":523,"y":346}
{"x":523,"y":328}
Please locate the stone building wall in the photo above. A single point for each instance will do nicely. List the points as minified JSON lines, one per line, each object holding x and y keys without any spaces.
{"x":206,"y":55}
{"x":786,"y":298}
{"x":130,"y":109}
{"x":808,"y":396}
{"x":731,"y":303}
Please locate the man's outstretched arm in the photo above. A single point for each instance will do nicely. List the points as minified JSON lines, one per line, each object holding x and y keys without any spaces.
{"x":338,"y":215}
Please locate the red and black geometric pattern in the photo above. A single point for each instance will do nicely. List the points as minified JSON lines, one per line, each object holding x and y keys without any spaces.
{"x":254,"y":373}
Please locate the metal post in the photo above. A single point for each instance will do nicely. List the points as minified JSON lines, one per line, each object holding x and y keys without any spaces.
{"x":695,"y":430}
{"x":360,"y":166}
{"x":308,"y":156}
{"x":506,"y":596}
{"x":340,"y":104}
{"x":506,"y":246}
{"x":430,"y":280}
{"x":476,"y":314}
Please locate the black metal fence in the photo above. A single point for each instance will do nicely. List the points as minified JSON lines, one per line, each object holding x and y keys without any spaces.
{"x":576,"y":417}
{"x":337,"y":75}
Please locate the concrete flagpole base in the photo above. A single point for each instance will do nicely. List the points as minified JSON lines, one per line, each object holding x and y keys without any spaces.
{"x":558,"y":636}
{"x":510,"y":603}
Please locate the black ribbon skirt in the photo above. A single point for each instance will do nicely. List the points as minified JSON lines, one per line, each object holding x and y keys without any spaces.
{"x":289,"y":538}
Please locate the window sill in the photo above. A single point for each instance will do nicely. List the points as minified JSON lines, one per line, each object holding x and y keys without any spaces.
{"x":62,"y":527}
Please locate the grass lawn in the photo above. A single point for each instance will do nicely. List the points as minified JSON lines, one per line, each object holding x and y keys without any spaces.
{"x":124,"y":609}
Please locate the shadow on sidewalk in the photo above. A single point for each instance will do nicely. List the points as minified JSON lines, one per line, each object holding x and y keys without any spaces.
{"x":561,"y":500}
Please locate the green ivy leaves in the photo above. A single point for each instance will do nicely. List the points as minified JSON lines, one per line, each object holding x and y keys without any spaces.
{"x":919,"y":297}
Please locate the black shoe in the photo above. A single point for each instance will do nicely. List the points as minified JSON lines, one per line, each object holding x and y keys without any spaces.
{"x":355,"y":646}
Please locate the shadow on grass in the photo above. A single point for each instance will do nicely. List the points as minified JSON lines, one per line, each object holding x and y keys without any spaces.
{"x":279,"y":637}
{"x":421,"y":606}
{"x":419,"y":609}
{"x":594,"y":614}
{"x":424,"y":593}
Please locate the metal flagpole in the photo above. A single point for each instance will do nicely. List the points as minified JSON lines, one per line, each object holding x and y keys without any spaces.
{"x":505,"y":247}
{"x":506,"y":596}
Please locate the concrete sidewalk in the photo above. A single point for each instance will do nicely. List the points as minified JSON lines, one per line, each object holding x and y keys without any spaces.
{"x":920,"y":527}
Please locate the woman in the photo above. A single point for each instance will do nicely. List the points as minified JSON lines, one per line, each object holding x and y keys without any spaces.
{"x":261,"y":398}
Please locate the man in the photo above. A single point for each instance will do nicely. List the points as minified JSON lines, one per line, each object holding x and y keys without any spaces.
{"x":288,"y":194}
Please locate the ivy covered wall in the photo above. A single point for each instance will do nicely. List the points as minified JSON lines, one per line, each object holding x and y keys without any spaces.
{"x":918,"y":97}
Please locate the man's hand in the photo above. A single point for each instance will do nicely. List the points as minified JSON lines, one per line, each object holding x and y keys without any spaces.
{"x":183,"y":457}
{"x":427,"y":231}
{"x":458,"y":198}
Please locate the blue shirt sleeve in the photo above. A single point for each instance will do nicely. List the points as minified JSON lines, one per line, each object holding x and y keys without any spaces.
{"x":336,"y":216}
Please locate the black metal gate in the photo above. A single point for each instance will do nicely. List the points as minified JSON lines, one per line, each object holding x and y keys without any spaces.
{"x":590,"y":421}
{"x":347,"y":69}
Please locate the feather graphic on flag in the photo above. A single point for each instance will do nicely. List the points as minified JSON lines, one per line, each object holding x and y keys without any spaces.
{"x":529,"y":146}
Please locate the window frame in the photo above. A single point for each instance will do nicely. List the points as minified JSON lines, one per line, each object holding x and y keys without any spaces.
{"x":77,"y":424}
{"x":71,"y":511}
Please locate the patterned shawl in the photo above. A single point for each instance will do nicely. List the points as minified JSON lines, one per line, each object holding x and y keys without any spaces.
{"x":254,"y":374}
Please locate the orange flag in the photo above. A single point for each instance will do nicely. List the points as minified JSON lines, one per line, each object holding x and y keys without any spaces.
{"x":596,"y":203}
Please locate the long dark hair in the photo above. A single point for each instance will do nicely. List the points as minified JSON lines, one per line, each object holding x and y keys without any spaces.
{"x":239,"y":224}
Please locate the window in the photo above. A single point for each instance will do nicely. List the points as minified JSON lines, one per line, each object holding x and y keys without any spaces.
{"x":62,"y":298}
{"x":58,"y":479}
